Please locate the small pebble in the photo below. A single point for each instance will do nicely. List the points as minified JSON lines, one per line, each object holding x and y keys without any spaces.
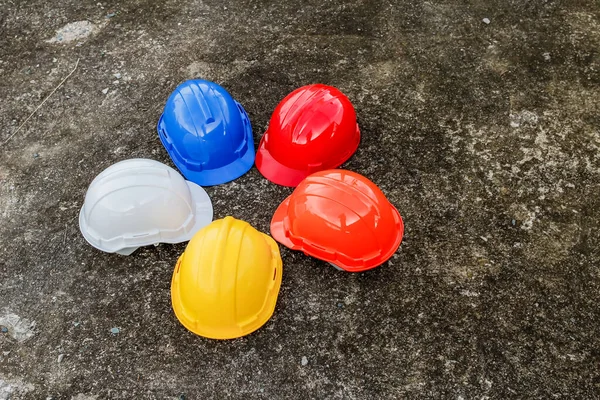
{"x":114,"y":331}
{"x":117,"y":75}
{"x":181,"y":397}
{"x":110,"y":15}
{"x":105,"y":91}
{"x":304,"y":360}
{"x":60,"y":357}
{"x":35,"y":155}
{"x":486,"y":21}
{"x":514,"y":222}
{"x":4,"y":329}
{"x":75,"y":323}
{"x":54,"y":60}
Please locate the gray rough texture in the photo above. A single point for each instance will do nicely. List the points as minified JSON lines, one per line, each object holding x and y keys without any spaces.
{"x":485,"y":136}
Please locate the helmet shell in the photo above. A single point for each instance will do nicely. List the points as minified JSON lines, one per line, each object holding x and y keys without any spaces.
{"x":207,"y":133}
{"x":340,"y":217}
{"x":139,"y":202}
{"x":225,"y":284}
{"x":313,"y":129}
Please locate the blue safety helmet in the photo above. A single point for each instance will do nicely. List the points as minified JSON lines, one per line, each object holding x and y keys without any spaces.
{"x":206,"y":133}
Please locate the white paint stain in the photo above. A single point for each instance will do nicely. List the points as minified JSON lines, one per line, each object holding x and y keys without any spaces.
{"x":82,"y":396}
{"x":20,"y":329}
{"x":73,"y":31}
{"x":530,"y":219}
{"x":524,"y":117}
{"x":10,"y":388}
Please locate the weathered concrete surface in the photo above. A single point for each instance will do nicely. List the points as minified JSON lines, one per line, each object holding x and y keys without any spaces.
{"x":485,"y":136}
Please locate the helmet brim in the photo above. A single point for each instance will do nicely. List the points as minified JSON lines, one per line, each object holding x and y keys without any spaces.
{"x":279,"y":233}
{"x":203,"y":214}
{"x":251,"y":326}
{"x":274,"y":171}
{"x":83,"y":227}
{"x":283,"y":175}
{"x":217,"y":176}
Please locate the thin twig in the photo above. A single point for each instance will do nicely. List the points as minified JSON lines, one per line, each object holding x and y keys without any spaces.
{"x":42,"y":103}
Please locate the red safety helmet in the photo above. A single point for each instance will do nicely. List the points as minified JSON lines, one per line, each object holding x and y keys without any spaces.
{"x":313,"y":129}
{"x":341,"y":217}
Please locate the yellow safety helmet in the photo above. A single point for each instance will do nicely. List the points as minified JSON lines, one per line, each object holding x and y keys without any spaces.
{"x":226,"y":283}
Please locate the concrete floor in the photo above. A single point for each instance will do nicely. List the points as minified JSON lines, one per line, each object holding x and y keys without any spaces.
{"x":484,"y":135}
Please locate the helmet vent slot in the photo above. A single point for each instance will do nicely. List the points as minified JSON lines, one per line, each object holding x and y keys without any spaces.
{"x":274,"y":273}
{"x":140,"y":235}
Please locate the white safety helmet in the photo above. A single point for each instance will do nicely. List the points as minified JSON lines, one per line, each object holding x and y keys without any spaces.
{"x":140,"y":202}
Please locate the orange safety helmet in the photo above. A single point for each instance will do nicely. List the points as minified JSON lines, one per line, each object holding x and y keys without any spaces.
{"x":340,"y":217}
{"x":313,"y":129}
